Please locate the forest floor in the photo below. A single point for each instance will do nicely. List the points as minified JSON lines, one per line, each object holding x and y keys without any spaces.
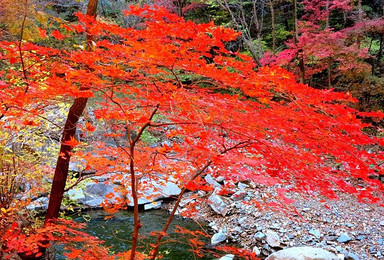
{"x":350,"y":229}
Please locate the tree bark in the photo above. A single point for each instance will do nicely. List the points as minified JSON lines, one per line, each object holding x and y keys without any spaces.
{"x":273,"y":26}
{"x":299,"y":52}
{"x":62,"y":165}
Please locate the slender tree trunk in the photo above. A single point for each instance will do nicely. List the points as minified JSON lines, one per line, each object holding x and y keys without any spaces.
{"x":137,"y":223}
{"x":359,"y":19}
{"x":327,"y":11}
{"x":299,"y":52}
{"x":380,"y":53}
{"x":273,"y":26}
{"x":62,"y":165}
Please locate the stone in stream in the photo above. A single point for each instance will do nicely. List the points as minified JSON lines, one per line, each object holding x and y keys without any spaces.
{"x":39,"y":204}
{"x":302,"y":253}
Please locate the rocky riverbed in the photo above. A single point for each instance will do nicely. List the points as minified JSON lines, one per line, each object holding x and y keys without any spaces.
{"x":243,"y":215}
{"x":349,"y":229}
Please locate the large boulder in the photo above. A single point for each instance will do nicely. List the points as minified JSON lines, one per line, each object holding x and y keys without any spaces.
{"x":39,"y":204}
{"x":302,"y":253}
{"x":153,"y":191}
{"x":96,"y":193}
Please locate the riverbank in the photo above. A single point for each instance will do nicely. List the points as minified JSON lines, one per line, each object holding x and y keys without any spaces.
{"x":345,"y":227}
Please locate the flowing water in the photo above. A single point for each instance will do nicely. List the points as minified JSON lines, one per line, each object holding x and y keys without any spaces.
{"x":116,"y":232}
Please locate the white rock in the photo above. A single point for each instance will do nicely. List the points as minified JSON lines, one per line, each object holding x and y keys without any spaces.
{"x":153,"y":205}
{"x":208,"y":178}
{"x":242,"y":186}
{"x":256,"y":250}
{"x":227,"y":257}
{"x":272,"y":238}
{"x":217,"y":204}
{"x":95,"y":194}
{"x":218,"y":237}
{"x":302,"y":253}
{"x":39,"y":204}
{"x":76,"y":194}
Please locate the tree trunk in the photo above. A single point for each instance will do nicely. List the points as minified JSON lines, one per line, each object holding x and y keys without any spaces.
{"x":62,"y":165}
{"x":273,"y":26}
{"x":299,"y":52}
{"x":327,"y":11}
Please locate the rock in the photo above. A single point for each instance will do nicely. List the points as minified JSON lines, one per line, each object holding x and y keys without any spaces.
{"x":39,"y":204}
{"x":217,"y":204}
{"x":272,"y":238}
{"x":315,"y":232}
{"x":256,"y":250}
{"x":351,"y":256}
{"x":227,"y":257}
{"x":95,"y":194}
{"x":218,"y":238}
{"x":349,"y":225}
{"x":76,"y":194}
{"x":239,"y":195}
{"x":242,"y":186}
{"x":259,"y":236}
{"x":153,"y":205}
{"x":344,"y":238}
{"x":220,"y":179}
{"x":382,"y":223}
{"x":208,"y":178}
{"x":241,"y":220}
{"x":153,"y":191}
{"x":302,"y":253}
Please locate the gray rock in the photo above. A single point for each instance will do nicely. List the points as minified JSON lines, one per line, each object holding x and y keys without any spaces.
{"x":242,"y":186}
{"x":241,"y":220}
{"x":315,"y":232}
{"x":344,"y":238}
{"x":302,"y":253}
{"x":227,"y":257}
{"x":39,"y":204}
{"x":239,"y":195}
{"x":382,"y":223}
{"x":168,"y":189}
{"x":218,"y":238}
{"x":256,"y":250}
{"x":95,"y":194}
{"x":153,"y":191}
{"x":208,"y":178}
{"x":259,"y":236}
{"x":272,"y":238}
{"x":153,"y":205}
{"x":218,"y":205}
{"x":351,"y":256}
{"x":76,"y":194}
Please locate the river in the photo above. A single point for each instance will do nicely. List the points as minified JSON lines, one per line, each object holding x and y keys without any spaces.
{"x":116,"y":232}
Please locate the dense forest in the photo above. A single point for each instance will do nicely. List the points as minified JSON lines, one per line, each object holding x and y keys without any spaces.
{"x":214,"y":108}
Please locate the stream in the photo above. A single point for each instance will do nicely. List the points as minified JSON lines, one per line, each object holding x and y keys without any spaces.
{"x":117,"y":231}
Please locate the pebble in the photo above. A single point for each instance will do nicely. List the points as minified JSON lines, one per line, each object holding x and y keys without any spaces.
{"x":344,"y":238}
{"x":315,"y":232}
{"x":259,"y":236}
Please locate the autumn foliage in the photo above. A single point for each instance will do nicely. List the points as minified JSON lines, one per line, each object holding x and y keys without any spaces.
{"x":214,"y":112}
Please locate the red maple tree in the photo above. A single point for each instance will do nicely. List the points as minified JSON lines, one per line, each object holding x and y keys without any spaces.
{"x":214,"y":112}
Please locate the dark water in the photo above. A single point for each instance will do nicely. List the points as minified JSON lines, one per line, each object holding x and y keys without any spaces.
{"x":116,"y":232}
